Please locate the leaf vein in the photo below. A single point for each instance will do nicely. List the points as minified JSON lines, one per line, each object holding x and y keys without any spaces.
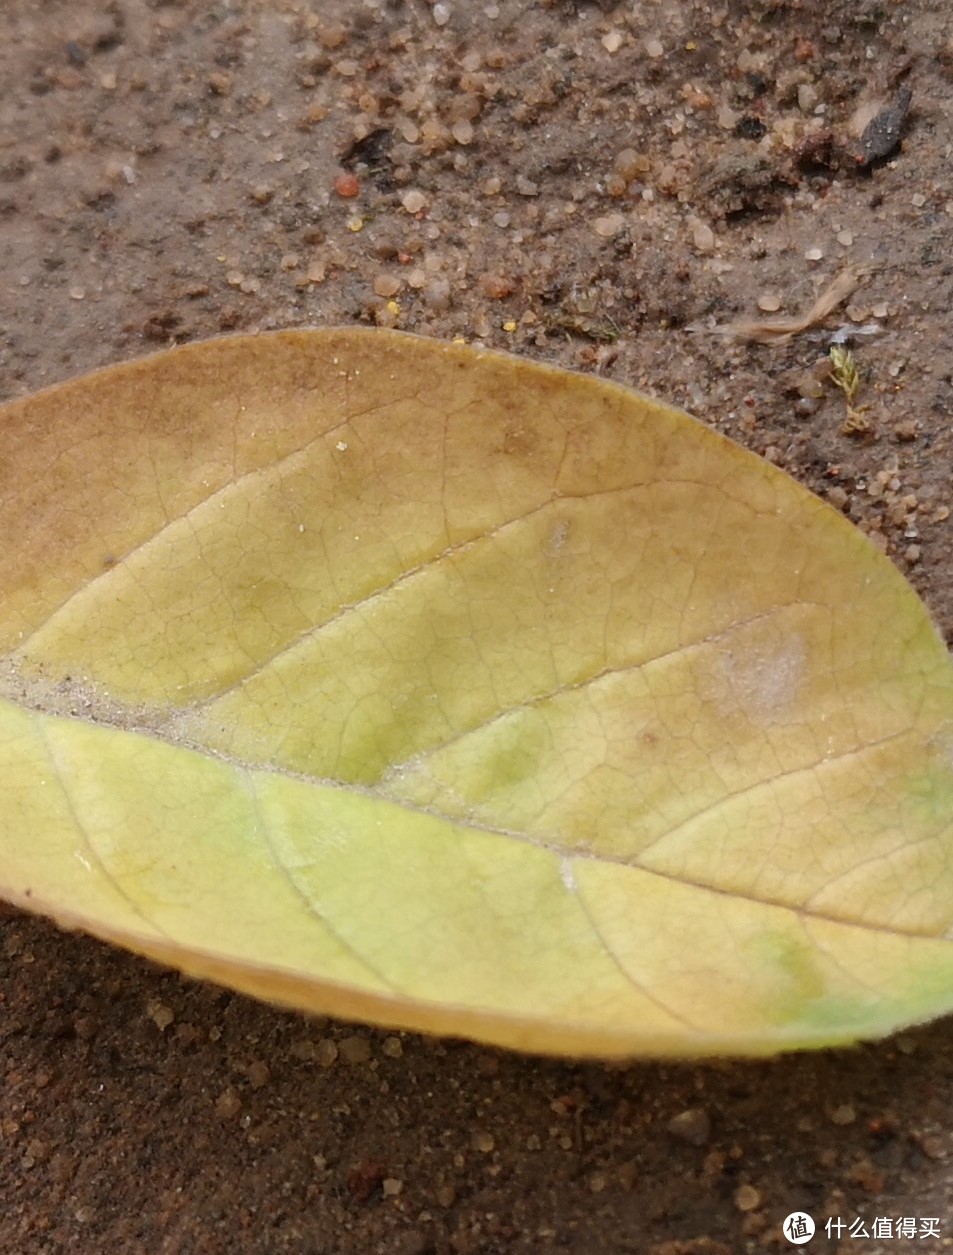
{"x":84,"y":836}
{"x":285,"y":873}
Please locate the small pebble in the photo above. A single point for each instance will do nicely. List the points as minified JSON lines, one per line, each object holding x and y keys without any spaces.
{"x":727,"y":118}
{"x":355,"y":1049}
{"x":843,"y":1115}
{"x":437,"y":294}
{"x":703,"y":237}
{"x":846,"y":238}
{"x":747,"y":1198}
{"x":391,"y":1187}
{"x":462,"y":132}
{"x":814,"y":254}
{"x":608,"y":226}
{"x":258,"y":1073}
{"x":392,"y":1047}
{"x":482,"y":1142}
{"x":769,"y":302}
{"x":228,"y":1103}
{"x":414,"y":201}
{"x":387,"y":285}
{"x":932,"y":1144}
{"x":434,"y":135}
{"x":495,"y":286}
{"x":918,"y":200}
{"x":36,"y":1151}
{"x":160,"y":1014}
{"x":325,"y":1052}
{"x":446,"y":1195}
{"x":629,"y":163}
{"x":85,"y":1027}
{"x":347,"y":186}
{"x":333,"y":35}
{"x":809,"y":385}
{"x":654,"y":49}
{"x":692,"y":1126}
{"x":613,"y":41}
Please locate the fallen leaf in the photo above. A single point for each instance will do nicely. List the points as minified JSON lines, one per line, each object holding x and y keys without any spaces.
{"x":424,"y":685}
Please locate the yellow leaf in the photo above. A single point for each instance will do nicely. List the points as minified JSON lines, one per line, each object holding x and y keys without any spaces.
{"x":410,"y":682}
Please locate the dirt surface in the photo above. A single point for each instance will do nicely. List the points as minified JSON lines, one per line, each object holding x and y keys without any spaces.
{"x":592,"y":185}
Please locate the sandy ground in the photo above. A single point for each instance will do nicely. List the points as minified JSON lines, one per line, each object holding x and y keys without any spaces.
{"x":592,"y":185}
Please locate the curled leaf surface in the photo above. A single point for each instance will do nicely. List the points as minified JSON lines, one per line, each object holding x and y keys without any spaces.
{"x":405,"y":681}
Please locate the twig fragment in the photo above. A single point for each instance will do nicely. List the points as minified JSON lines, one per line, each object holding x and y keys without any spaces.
{"x":780,"y":330}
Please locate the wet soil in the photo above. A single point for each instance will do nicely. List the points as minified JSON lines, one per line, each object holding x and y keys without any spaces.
{"x":602,"y":187}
